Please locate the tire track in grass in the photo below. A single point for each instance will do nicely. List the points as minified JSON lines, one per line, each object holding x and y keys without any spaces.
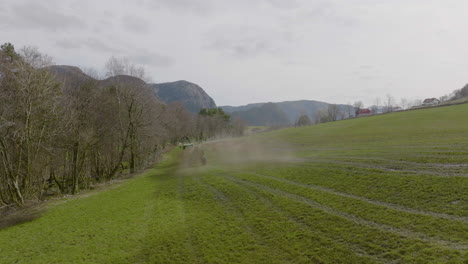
{"x":165,"y":240}
{"x":416,"y":171}
{"x":262,"y":239}
{"x":444,"y":229}
{"x":304,"y":226}
{"x":390,"y":249}
{"x":190,"y":244}
{"x":225,"y":201}
{"x":356,"y":220}
{"x":363,"y":199}
{"x":393,"y":161}
{"x":219,"y":234}
{"x":269,"y":235}
{"x":422,"y":171}
{"x":430,"y":194}
{"x":149,"y":211}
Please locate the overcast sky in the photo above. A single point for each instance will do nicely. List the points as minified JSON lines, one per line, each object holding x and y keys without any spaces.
{"x":247,"y":51}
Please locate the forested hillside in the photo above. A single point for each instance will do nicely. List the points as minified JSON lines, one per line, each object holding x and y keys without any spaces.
{"x":265,"y":115}
{"x":288,"y":112}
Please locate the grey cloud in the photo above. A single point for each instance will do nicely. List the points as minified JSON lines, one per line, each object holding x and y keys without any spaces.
{"x":321,"y":10}
{"x":103,"y":25}
{"x":36,"y":15}
{"x":99,"y":45}
{"x":327,"y":13}
{"x":139,"y":56}
{"x":207,"y":7}
{"x":91,"y":43}
{"x":146,"y":57}
{"x":366,"y":72}
{"x":284,"y":4}
{"x":247,"y":41}
{"x":68,"y":44}
{"x":199,"y":7}
{"x":326,"y":43}
{"x":135,"y":24}
{"x":369,"y":77}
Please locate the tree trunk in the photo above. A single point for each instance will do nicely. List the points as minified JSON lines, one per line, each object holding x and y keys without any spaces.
{"x":132,"y":152}
{"x":74,"y":172}
{"x":12,"y":179}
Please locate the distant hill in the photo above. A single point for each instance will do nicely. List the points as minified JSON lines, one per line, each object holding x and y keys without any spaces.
{"x":125,"y":79}
{"x":71,"y":76}
{"x":269,"y":114}
{"x":294,"y":109}
{"x":231,"y":109}
{"x":284,"y":113}
{"x":69,"y":72}
{"x":192,"y":96}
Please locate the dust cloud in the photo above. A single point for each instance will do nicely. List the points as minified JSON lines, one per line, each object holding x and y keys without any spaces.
{"x":247,"y":151}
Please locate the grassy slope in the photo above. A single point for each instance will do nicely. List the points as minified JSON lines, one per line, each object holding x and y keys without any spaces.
{"x":102,"y":228}
{"x":405,"y":156}
{"x":389,"y":189}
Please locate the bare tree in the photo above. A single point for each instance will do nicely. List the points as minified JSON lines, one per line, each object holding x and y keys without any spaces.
{"x":321,"y":116}
{"x":464,"y":91}
{"x":389,"y":103}
{"x":375,"y":108}
{"x":29,"y":114}
{"x":333,"y":112}
{"x":303,"y":120}
{"x":404,"y":103}
{"x":415,"y":103}
{"x":444,"y":98}
{"x":93,"y":73}
{"x":135,"y":105}
{"x":239,"y":127}
{"x":358,"y":105}
{"x":71,"y":133}
{"x":80,"y":137}
{"x":123,"y":66}
{"x":32,"y":57}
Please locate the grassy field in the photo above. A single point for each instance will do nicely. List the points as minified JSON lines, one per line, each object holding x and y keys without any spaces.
{"x":382,"y":189}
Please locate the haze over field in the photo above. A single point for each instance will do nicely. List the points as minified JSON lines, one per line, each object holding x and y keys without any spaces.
{"x":264,"y":50}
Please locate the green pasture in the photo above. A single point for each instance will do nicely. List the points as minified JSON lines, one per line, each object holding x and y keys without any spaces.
{"x":383,"y":189}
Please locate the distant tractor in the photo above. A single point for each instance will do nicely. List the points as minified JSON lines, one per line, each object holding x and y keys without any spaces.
{"x":186,"y":143}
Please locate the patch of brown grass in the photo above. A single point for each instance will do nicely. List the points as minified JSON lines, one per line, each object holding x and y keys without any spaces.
{"x":10,"y":216}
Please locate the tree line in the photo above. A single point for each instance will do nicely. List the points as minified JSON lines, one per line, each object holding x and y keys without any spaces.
{"x":66,"y":135}
{"x":331,"y":113}
{"x":384,"y":105}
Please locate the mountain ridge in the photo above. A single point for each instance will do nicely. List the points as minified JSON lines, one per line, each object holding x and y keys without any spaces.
{"x":191,"y":95}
